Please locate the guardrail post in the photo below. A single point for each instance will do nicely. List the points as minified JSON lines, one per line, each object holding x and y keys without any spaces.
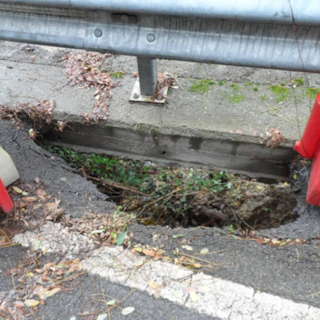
{"x":148,"y":75}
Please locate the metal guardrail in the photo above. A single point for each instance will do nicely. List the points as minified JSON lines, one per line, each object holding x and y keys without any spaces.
{"x":276,"y":34}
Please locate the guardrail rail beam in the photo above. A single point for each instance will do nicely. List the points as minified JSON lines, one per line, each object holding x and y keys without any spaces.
{"x":274,"y":34}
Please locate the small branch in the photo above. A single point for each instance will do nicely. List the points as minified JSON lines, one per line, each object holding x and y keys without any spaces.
{"x":115,"y":185}
{"x":159,"y":199}
{"x":279,"y":115}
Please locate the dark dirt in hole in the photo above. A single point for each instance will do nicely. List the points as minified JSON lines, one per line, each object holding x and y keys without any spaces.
{"x":307,"y":224}
{"x":258,"y":210}
{"x":185,"y":197}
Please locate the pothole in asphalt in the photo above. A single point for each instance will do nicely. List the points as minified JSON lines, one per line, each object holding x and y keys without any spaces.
{"x":185,"y":197}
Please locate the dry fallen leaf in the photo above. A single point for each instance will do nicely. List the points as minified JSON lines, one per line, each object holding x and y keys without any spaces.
{"x":18,"y":304}
{"x":204,"y":251}
{"x":44,"y":294}
{"x":188,"y":248}
{"x":127,"y":311}
{"x":61,"y":125}
{"x":156,"y":237}
{"x":31,"y":303}
{"x":194,"y":297}
{"x":139,"y":263}
{"x":149,"y":253}
{"x":17,"y":190}
{"x":111,"y":302}
{"x":153,"y":285}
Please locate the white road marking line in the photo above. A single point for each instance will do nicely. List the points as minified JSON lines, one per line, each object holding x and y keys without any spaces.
{"x":198,"y":291}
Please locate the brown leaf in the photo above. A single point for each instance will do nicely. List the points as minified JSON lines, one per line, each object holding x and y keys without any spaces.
{"x":44,"y":294}
{"x":149,"y":253}
{"x":61,"y":125}
{"x":18,"y":304}
{"x":29,"y":199}
{"x":158,"y":257}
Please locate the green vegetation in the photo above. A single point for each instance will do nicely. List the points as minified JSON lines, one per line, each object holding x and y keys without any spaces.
{"x":299,"y":81}
{"x":255,"y":89}
{"x":143,"y":177}
{"x":154,"y":195}
{"x":171,"y":193}
{"x":221,"y":83}
{"x":235,"y":86}
{"x":236,"y":97}
{"x":280,"y":92}
{"x":312,"y":93}
{"x":263,"y":97}
{"x":117,"y":75}
{"x":248,"y":84}
{"x":201,"y":86}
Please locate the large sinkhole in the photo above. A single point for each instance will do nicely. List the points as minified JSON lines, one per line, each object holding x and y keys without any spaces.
{"x":185,"y":197}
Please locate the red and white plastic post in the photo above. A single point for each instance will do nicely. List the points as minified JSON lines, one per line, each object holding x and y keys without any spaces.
{"x":309,"y":147}
{"x":5,"y":201}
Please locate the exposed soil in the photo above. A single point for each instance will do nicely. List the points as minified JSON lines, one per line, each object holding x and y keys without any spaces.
{"x":185,"y":197}
{"x":271,"y":209}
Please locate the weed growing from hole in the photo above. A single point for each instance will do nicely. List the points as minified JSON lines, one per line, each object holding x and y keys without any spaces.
{"x":144,"y":177}
{"x":173,"y":196}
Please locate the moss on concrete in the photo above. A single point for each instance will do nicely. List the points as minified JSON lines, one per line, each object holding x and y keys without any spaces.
{"x":281,"y":92}
{"x":201,"y":86}
{"x":312,"y":93}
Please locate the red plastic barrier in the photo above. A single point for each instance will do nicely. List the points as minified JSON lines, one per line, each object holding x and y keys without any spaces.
{"x":309,"y":147}
{"x":5,"y":200}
